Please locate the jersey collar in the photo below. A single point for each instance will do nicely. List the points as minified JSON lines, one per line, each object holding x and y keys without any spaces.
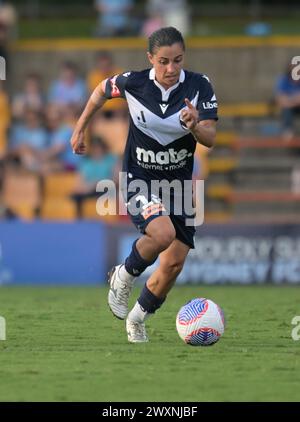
{"x":181,"y":77}
{"x":166,"y":92}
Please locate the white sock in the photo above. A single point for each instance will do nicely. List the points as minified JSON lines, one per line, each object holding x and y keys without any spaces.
{"x":125,"y":276}
{"x":138,"y":314}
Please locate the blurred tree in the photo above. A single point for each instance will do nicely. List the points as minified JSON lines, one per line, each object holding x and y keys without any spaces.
{"x":71,"y":8}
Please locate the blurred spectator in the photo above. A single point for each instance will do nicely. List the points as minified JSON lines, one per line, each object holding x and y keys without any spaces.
{"x":28,"y":141}
{"x":104,"y":68}
{"x":3,"y":40}
{"x":153,"y":22}
{"x":8,"y":19}
{"x":4,"y":120}
{"x":258,"y":29}
{"x":114,"y":18}
{"x":171,"y":12}
{"x":295,"y":179}
{"x":4,"y":124}
{"x":71,"y":115}
{"x":98,"y":165}
{"x":197,"y":168}
{"x":68,"y":89}
{"x":31,"y":97}
{"x":6,"y":213}
{"x":288,"y":99}
{"x":59,"y":155}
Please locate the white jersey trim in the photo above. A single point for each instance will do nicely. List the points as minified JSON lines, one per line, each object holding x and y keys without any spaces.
{"x":165,"y":93}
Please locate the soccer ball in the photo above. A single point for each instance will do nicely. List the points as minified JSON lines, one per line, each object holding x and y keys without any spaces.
{"x":200,"y":322}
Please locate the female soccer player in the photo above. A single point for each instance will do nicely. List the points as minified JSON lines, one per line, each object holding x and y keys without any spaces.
{"x":171,"y":109}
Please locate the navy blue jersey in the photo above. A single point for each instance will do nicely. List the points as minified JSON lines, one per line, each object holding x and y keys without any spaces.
{"x":159,"y":146}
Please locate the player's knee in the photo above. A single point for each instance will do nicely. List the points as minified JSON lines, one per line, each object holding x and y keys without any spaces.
{"x":162,"y":233}
{"x":173,"y":268}
{"x":165,"y":237}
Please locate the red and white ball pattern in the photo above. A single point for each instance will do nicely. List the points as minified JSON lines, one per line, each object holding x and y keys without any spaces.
{"x":200,"y":322}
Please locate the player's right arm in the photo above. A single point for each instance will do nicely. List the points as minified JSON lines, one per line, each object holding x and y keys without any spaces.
{"x":113,"y":87}
{"x":95,"y":102}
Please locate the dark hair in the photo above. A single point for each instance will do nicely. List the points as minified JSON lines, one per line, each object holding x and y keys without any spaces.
{"x":165,"y":36}
{"x":97,"y":141}
{"x":33,"y":75}
{"x":67,"y":64}
{"x":103,"y":55}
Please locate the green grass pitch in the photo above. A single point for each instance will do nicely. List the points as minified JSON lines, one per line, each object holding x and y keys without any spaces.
{"x":63,"y":344}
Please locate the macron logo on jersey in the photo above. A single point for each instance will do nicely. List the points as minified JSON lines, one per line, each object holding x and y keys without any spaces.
{"x":209,"y":104}
{"x":163,"y":107}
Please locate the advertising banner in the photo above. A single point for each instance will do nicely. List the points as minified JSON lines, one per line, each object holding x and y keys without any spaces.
{"x":52,"y":253}
{"x":83,"y":253}
{"x":230,"y":253}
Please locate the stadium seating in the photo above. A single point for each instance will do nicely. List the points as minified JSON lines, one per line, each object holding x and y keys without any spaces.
{"x":263,"y":196}
{"x":3,"y":140}
{"x":218,"y":217}
{"x":59,"y":185}
{"x":114,"y":133}
{"x":57,"y":204}
{"x":245,"y":110}
{"x":21,"y":193}
{"x":226,"y":139}
{"x":89,"y":211}
{"x":222,"y":165}
{"x":4,"y":121}
{"x":219,"y":191}
{"x":58,"y":209}
{"x":266,"y":142}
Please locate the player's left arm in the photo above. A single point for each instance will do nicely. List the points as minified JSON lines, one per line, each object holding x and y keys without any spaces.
{"x":204,"y":131}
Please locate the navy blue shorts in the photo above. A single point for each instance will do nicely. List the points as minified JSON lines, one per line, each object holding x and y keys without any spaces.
{"x":146,"y":206}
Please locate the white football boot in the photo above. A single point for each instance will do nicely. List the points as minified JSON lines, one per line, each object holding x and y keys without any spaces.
{"x":136,"y":332}
{"x":119,"y":293}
